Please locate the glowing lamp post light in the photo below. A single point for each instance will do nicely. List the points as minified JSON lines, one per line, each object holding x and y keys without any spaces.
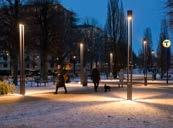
{"x":22,"y":68}
{"x":83,"y":77}
{"x":74,"y":63}
{"x":81,"y":57}
{"x":111,"y":65}
{"x":129,"y":58}
{"x":145,"y":62}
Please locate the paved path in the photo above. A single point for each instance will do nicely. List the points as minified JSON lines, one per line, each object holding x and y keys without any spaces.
{"x":152,"y":107}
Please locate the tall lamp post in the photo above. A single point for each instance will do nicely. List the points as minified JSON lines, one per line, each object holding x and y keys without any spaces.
{"x":74,"y":65}
{"x":8,"y":59}
{"x":81,"y":59}
{"x":111,"y":65}
{"x":153,"y":64}
{"x":152,"y":57}
{"x":129,"y":59}
{"x":22,"y":65}
{"x":145,"y":62}
{"x":83,"y":76}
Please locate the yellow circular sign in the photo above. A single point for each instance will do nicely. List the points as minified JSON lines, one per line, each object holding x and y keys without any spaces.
{"x":166,"y":43}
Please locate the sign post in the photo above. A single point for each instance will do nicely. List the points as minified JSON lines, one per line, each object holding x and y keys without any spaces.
{"x":166,"y":44}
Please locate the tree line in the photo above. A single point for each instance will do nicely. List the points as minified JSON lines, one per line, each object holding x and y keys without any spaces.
{"x":161,"y":58}
{"x":50,"y":29}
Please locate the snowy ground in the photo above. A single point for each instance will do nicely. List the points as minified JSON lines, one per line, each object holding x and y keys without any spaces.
{"x":81,"y":107}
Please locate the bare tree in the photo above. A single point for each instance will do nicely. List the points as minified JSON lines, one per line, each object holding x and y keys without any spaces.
{"x":56,"y":26}
{"x":148,"y":38}
{"x":9,"y":20}
{"x":163,"y":53}
{"x":42,"y":8}
{"x":49,"y":30}
{"x":169,"y":5}
{"x":116,"y":32}
{"x":92,"y":37}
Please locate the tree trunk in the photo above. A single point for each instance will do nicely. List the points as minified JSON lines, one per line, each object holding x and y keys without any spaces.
{"x":44,"y":49}
{"x":44,"y":66}
{"x":14,"y":66}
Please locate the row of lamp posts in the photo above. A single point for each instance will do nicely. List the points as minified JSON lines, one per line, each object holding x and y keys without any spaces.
{"x":166,"y":44}
{"x":129,"y":59}
{"x":22,"y":68}
{"x":129,"y":73}
{"x":129,"y":76}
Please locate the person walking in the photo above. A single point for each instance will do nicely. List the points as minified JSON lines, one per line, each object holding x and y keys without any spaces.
{"x":121,"y":78}
{"x":60,"y":82}
{"x":95,"y":76}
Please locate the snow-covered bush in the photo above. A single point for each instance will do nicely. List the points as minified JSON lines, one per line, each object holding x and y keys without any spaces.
{"x":6,"y":88}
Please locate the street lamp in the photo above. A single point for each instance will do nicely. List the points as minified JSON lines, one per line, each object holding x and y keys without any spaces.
{"x":129,"y":58}
{"x":22,"y":68}
{"x":81,"y":57}
{"x":152,"y":52}
{"x":153,"y":57}
{"x":74,"y":63}
{"x":111,"y":65}
{"x":145,"y":62}
{"x":153,"y":65}
{"x":83,"y":77}
{"x":9,"y":61}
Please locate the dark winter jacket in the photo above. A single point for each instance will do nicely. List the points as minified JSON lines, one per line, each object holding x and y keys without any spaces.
{"x":95,"y":76}
{"x":61,"y":81}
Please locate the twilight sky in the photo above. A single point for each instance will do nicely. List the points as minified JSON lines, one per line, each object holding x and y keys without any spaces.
{"x":147,"y":13}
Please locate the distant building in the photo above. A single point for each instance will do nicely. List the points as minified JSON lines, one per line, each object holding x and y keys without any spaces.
{"x":32,"y":62}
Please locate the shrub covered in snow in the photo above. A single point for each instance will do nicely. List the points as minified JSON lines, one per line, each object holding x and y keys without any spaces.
{"x":6,"y":88}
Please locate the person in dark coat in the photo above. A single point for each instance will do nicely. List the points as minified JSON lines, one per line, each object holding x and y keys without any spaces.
{"x":95,"y":76}
{"x":60,"y":83}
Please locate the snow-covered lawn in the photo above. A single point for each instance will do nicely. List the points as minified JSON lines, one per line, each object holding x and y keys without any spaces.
{"x":81,"y":107}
